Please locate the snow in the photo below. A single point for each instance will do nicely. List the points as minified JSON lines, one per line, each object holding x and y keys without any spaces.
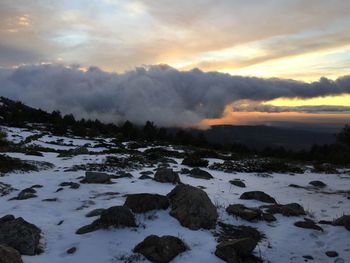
{"x":288,"y":243}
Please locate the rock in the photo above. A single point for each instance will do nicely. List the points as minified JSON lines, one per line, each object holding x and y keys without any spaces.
{"x":165,"y":175}
{"x":160,"y":249}
{"x":192,"y":207}
{"x":343,"y":221}
{"x":71,"y":250}
{"x":238,"y":182}
{"x":146,"y":173}
{"x":6,"y":218}
{"x":308,"y":257}
{"x":122,"y":174}
{"x":26,"y":194}
{"x":9,"y":255}
{"x":145,"y":177}
{"x":199,"y":173}
{"x":50,"y":199}
{"x":141,"y":203}
{"x":21,"y":235}
{"x":71,"y":185}
{"x":319,"y":184}
{"x":95,"y":212}
{"x":332,"y":254}
{"x":185,"y":171}
{"x":5,"y":189}
{"x":88,"y":228}
{"x":236,"y":249}
{"x":292,"y":209}
{"x":308,"y":224}
{"x":117,"y":216}
{"x":258,"y":195}
{"x":37,"y":186}
{"x":249,"y":214}
{"x":195,"y":161}
{"x":96,"y":178}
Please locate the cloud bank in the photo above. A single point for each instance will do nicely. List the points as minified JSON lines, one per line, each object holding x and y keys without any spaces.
{"x":165,"y":95}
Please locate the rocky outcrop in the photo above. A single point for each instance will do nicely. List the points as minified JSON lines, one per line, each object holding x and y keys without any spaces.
{"x":192,"y":207}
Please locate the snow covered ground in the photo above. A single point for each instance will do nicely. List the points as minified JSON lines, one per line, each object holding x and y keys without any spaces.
{"x":284,"y":242}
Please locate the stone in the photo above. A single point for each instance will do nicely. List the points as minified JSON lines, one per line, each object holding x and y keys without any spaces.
{"x":96,"y":178}
{"x":308,"y":224}
{"x":165,"y":175}
{"x":199,"y":173}
{"x":195,"y":161}
{"x":343,"y":221}
{"x":144,"y":202}
{"x":257,"y":195}
{"x":160,"y":249}
{"x":292,"y":209}
{"x":9,"y":255}
{"x":192,"y":207}
{"x":234,"y":250}
{"x":249,"y":214}
{"x":332,"y":254}
{"x":238,"y":182}
{"x":319,"y":184}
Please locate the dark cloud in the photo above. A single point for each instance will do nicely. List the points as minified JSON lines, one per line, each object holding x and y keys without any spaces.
{"x":159,"y":93}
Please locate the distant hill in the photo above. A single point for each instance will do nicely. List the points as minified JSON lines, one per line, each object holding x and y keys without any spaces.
{"x":260,"y":137}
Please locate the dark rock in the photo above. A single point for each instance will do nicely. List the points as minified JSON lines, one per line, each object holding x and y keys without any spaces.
{"x":122,"y":174}
{"x":59,"y":189}
{"x":249,"y":214}
{"x":26,"y":194}
{"x":308,"y":224}
{"x":319,"y":184}
{"x":71,"y":185}
{"x":343,"y":221}
{"x":9,"y":255}
{"x":238,"y":182}
{"x":236,"y":249}
{"x":192,"y":207}
{"x":185,"y":171}
{"x":37,"y":186}
{"x":199,"y":173}
{"x":6,"y":218}
{"x":21,"y":235}
{"x":146,"y":173}
{"x":117,"y":216}
{"x":308,"y":257}
{"x":88,"y":228}
{"x":96,"y":212}
{"x":50,"y":199}
{"x":195,"y":161}
{"x":96,"y":178}
{"x":227,"y":232}
{"x":332,"y":254}
{"x":71,"y":250}
{"x":258,"y":195}
{"x":165,"y":175}
{"x":160,"y":249}
{"x":292,"y":209}
{"x":5,"y":189}
{"x":145,"y":177}
{"x":141,"y":203}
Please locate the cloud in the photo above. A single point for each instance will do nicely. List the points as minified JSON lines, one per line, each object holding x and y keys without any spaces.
{"x":253,"y":106}
{"x":159,"y":93}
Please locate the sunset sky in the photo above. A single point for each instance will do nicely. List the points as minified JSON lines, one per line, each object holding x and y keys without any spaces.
{"x":302,"y":40}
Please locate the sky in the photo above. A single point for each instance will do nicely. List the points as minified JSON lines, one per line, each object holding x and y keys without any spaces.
{"x":303,"y":40}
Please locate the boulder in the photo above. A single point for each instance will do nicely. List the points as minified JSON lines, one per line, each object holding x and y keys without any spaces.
{"x":26,"y":194}
{"x":257,"y":195}
{"x":343,"y":221}
{"x":318,"y":184}
{"x":195,"y":161}
{"x":199,"y":173}
{"x":165,"y":175}
{"x":160,"y":249}
{"x":95,"y":212}
{"x":192,"y":207}
{"x":234,"y":250}
{"x":96,"y":178}
{"x":141,"y":203}
{"x":117,"y":216}
{"x":238,"y":182}
{"x":21,"y":235}
{"x":9,"y":255}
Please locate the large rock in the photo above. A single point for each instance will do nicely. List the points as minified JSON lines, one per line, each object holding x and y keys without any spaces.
{"x":257,"y":195}
{"x":21,"y":235}
{"x":115,"y":216}
{"x":343,"y":221}
{"x":199,"y":173}
{"x":195,"y":161}
{"x":165,"y":175}
{"x":141,"y":203}
{"x":234,"y":250}
{"x":9,"y":255}
{"x":160,"y":249}
{"x":192,"y":207}
{"x":96,"y":178}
